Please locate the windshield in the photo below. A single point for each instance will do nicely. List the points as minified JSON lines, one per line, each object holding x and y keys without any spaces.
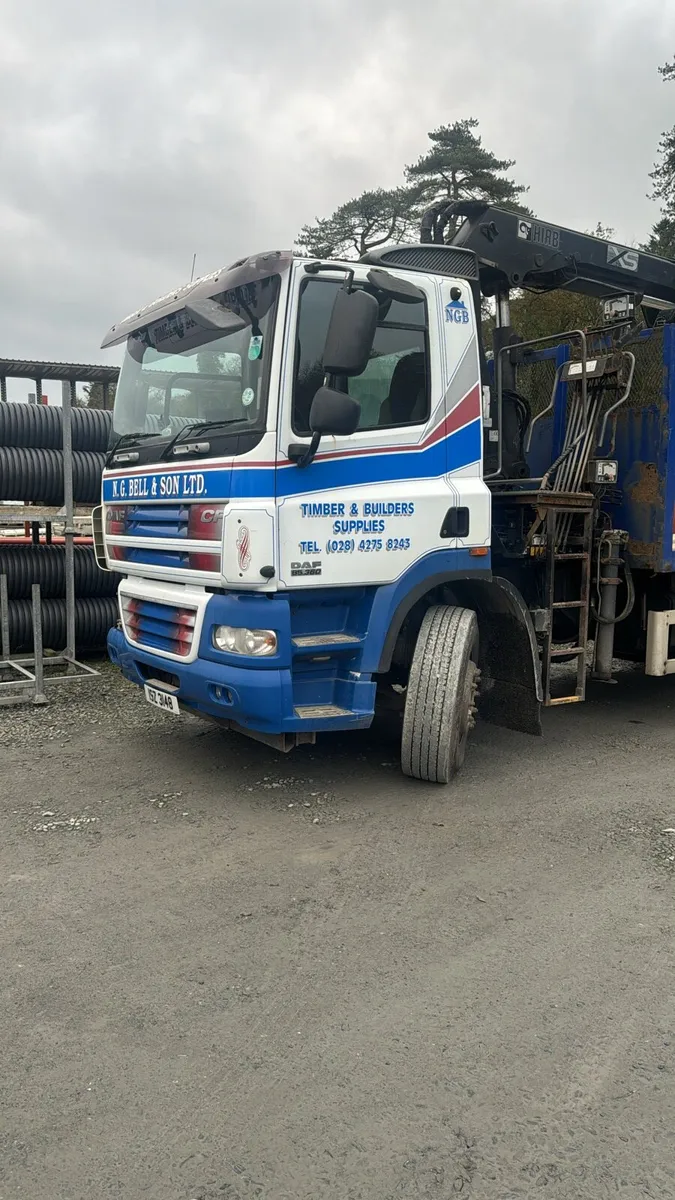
{"x":178,"y":373}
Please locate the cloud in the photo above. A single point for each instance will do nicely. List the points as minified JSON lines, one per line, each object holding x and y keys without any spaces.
{"x":134,"y":135}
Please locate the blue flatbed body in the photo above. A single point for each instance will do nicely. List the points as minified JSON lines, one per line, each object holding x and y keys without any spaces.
{"x":644,"y":500}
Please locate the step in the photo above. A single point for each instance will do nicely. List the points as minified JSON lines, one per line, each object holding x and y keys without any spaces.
{"x":551,"y":702}
{"x":569,"y":604}
{"x":576,"y":556}
{"x":319,"y":640}
{"x":572,"y":651}
{"x":319,"y":712}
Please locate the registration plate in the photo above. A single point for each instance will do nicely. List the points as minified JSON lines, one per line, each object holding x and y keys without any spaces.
{"x":161,"y":699}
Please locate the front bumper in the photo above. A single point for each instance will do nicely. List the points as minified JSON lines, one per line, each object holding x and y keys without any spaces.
{"x":253,"y":699}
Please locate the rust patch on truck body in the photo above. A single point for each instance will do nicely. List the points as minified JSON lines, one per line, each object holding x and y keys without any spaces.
{"x":645,"y":492}
{"x":647,"y":489}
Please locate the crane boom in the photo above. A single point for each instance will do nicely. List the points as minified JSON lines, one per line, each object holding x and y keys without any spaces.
{"x":516,"y":251}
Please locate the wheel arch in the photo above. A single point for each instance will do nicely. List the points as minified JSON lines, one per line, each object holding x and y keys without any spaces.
{"x":425,"y":592}
{"x":510,"y":691}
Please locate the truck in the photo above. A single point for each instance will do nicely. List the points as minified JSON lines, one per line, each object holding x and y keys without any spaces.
{"x":328,"y":498}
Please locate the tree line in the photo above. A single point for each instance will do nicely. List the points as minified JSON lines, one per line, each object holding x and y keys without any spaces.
{"x":662,"y":238}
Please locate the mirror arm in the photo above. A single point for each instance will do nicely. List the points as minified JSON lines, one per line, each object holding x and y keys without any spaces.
{"x":313,"y":268}
{"x":302,"y":454}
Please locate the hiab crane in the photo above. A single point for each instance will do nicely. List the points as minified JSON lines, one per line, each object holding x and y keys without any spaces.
{"x":325,"y":496}
{"x":599,"y":502}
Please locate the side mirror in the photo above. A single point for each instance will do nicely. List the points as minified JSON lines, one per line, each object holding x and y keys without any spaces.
{"x":351,"y":333}
{"x":395,"y":289}
{"x":334,"y":413}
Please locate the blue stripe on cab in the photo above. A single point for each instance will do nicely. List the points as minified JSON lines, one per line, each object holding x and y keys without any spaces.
{"x":243,"y":480}
{"x":449,"y":454}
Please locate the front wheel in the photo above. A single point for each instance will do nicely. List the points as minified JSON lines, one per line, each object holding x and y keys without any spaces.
{"x":440,"y":698}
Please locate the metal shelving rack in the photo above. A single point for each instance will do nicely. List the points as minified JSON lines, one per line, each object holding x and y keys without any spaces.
{"x":22,"y":677}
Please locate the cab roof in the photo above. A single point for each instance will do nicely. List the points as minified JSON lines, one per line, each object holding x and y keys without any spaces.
{"x":245,"y":270}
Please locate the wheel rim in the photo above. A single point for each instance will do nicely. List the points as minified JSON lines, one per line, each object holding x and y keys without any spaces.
{"x":467,"y":718}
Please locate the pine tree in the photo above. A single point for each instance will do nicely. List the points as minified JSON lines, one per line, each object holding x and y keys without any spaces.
{"x":371,"y":219}
{"x":662,"y":238}
{"x":459,"y":167}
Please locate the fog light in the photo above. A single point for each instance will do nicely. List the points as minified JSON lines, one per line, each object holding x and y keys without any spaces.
{"x":254,"y":642}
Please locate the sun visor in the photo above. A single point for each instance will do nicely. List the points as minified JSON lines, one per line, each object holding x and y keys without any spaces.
{"x":246,"y":273}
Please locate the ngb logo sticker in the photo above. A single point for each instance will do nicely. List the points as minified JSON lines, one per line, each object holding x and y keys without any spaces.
{"x":457,"y":311}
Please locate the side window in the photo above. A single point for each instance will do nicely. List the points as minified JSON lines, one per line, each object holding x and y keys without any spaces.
{"x":394,"y":388}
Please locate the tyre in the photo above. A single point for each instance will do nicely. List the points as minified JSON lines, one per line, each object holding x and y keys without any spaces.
{"x":440,"y":698}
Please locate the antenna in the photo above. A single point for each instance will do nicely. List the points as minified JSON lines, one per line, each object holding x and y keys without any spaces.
{"x":194,"y":260}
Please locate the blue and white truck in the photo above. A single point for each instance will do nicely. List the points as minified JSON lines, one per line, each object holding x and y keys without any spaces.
{"x":324,"y":497}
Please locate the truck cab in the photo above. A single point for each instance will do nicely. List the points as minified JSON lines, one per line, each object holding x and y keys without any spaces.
{"x":294,"y":500}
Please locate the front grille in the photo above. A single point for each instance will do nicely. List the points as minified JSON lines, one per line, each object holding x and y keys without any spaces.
{"x":165,"y":627}
{"x":183,"y":560}
{"x":178,"y":524}
{"x":159,"y":521}
{"x":156,"y":558}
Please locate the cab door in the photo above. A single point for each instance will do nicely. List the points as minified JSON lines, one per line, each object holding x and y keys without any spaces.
{"x":372,"y":505}
{"x":470,"y":523}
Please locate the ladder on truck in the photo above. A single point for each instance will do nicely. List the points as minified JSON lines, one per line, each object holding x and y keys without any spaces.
{"x":562,"y":530}
{"x":564,"y":516}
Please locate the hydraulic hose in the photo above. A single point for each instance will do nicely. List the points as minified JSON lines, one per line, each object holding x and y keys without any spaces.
{"x":628,"y":607}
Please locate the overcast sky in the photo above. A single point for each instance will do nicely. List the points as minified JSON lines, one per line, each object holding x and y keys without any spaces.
{"x":135,"y":134}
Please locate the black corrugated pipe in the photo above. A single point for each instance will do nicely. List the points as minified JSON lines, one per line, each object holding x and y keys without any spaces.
{"x":46,"y":564}
{"x":35,"y":476}
{"x":93,"y":619}
{"x":38,"y":426}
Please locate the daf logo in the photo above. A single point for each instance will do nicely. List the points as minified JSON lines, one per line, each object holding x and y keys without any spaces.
{"x":306,"y":568}
{"x":210,"y":515}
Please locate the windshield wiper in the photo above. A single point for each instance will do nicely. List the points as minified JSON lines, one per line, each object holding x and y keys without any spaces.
{"x":126,"y":439}
{"x":198,"y":425}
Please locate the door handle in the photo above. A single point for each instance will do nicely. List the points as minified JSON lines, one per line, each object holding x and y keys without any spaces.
{"x":456,"y":523}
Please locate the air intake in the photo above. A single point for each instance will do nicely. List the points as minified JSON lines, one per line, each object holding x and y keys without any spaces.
{"x":433,"y":259}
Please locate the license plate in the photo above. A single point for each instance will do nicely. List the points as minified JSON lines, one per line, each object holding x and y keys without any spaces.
{"x":161,"y":699}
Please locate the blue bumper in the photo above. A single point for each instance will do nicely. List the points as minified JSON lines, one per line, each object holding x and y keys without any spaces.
{"x":305,"y":675}
{"x":255,"y":699}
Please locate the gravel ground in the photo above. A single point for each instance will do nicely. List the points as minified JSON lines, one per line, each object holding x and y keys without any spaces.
{"x":231,"y":975}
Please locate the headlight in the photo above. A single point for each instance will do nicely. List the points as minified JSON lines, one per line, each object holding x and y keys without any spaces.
{"x":255,"y":642}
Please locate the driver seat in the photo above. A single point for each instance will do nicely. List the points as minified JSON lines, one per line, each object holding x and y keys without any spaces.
{"x":406,"y":403}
